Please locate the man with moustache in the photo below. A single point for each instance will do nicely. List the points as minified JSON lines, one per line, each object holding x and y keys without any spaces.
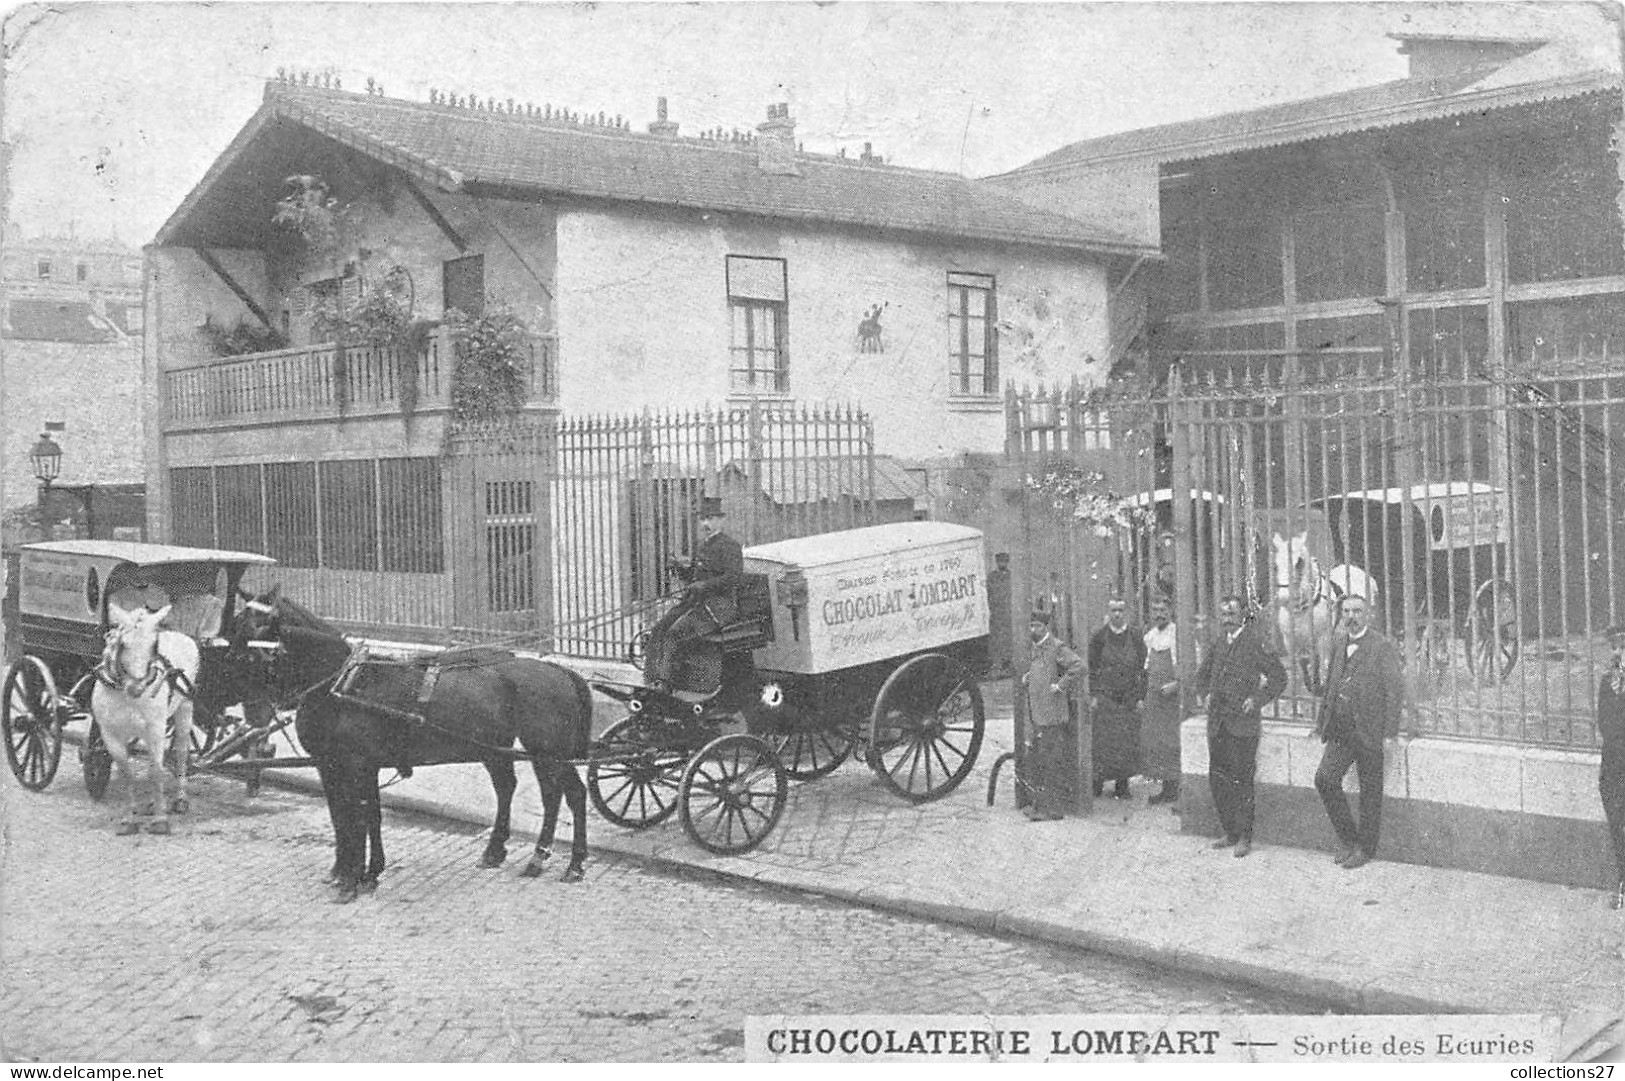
{"x":1049,"y":680}
{"x":1238,"y":677}
{"x":1364,"y":697}
{"x":1116,"y":686}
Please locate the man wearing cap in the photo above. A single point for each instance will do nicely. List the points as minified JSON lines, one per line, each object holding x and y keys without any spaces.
{"x":708,"y":603}
{"x":1611,"y":778}
{"x":1238,"y":677}
{"x":1364,"y":696}
{"x":1049,"y":680}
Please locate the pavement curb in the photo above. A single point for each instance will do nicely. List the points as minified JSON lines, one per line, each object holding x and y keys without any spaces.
{"x":885,"y":898}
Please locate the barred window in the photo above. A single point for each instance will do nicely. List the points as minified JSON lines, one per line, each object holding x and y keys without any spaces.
{"x":290,"y":514}
{"x":973,"y":334}
{"x":191,"y":506}
{"x":349,"y":508}
{"x":510,"y":541}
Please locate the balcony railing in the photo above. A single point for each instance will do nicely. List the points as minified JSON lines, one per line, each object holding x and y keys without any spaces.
{"x":311,"y":383}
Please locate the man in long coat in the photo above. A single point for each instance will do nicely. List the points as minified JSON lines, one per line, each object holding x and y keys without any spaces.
{"x":1049,"y":681}
{"x":1116,"y":686}
{"x":1239,"y":676}
{"x":1161,"y":714}
{"x":1364,"y":697}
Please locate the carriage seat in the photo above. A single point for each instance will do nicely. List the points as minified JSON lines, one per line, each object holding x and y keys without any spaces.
{"x":754,"y":627}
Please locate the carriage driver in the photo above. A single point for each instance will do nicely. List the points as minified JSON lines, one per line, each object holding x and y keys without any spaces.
{"x":708,"y":603}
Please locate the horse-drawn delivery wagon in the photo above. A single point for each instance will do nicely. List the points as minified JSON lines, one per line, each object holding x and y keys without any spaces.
{"x":1457,"y":573}
{"x":865,"y":641}
{"x":69,"y":599}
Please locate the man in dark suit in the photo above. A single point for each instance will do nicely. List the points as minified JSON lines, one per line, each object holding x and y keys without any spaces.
{"x":1364,"y":697}
{"x":1611,"y":777}
{"x":1238,"y":677}
{"x":709,"y":602}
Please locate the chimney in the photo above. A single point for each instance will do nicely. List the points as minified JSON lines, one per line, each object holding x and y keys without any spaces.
{"x":776,"y":142}
{"x":661,"y":126}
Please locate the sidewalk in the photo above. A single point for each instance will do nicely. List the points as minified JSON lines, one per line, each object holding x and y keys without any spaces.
{"x":1389,"y":938}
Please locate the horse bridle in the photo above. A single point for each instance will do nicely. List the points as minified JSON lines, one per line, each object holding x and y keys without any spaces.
{"x":111,"y":673}
{"x":1312,"y":567}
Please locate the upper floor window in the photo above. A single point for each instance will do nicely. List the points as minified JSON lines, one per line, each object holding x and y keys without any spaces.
{"x":43,"y":268}
{"x":973,"y":342}
{"x":462,"y":285}
{"x":81,"y":272}
{"x":758,"y":307}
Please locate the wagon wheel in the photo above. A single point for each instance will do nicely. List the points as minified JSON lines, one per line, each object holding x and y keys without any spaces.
{"x":1492,"y":631}
{"x":809,"y":746}
{"x":637,"y":650}
{"x":30,"y":718}
{"x":732,"y":794}
{"x":926,"y":728}
{"x":97,"y":761}
{"x":636,"y":783}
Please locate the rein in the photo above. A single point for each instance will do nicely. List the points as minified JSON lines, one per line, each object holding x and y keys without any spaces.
{"x":1296,"y":600}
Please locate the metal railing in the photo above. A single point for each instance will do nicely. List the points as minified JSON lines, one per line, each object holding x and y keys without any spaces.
{"x":1483,"y":516}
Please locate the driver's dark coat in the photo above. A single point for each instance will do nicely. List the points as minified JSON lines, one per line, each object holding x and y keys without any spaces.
{"x":718,"y":563}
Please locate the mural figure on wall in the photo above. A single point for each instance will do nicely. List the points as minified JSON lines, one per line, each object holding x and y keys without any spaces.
{"x":869,"y":339}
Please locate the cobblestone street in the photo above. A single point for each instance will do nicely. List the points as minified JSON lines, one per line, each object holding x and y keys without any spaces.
{"x":218,"y":943}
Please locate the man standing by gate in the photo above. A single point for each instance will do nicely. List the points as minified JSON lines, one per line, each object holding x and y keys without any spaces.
{"x":1049,"y":680}
{"x":1365,"y":693}
{"x":1238,"y":677}
{"x":1116,"y":685}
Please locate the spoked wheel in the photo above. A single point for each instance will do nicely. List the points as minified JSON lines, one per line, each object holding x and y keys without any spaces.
{"x":636,"y":785}
{"x":97,"y":761}
{"x":809,"y":746}
{"x":732,"y":794}
{"x":30,"y":718}
{"x":1492,"y":631}
{"x":926,"y":728}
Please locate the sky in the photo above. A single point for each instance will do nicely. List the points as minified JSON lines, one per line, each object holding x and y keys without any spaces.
{"x":113,"y":111}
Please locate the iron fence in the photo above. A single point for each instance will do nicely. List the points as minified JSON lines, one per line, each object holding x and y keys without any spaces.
{"x":1482,"y":513}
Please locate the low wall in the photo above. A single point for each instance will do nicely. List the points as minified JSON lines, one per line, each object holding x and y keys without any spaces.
{"x":1526,"y":812}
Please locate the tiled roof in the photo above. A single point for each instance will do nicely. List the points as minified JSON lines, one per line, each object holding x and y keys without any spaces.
{"x":56,"y":321}
{"x":457,"y":148}
{"x":1550,"y":73}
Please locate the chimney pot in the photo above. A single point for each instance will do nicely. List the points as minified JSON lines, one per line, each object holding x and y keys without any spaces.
{"x":660,"y":125}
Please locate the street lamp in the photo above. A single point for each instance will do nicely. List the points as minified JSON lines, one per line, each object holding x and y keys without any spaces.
{"x":46,"y":457}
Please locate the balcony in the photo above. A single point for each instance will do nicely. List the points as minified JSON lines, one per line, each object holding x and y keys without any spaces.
{"x":311,"y":384}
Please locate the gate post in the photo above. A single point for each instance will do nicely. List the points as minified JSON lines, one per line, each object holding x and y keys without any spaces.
{"x":1404,"y":468}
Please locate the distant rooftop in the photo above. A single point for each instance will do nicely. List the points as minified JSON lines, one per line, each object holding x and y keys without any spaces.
{"x":56,"y":321}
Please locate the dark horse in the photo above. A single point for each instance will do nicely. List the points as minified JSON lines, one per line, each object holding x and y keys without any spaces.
{"x":479,"y":703}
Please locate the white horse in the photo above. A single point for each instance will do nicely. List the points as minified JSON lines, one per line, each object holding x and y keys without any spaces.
{"x":1307,"y":598}
{"x":145,"y":681}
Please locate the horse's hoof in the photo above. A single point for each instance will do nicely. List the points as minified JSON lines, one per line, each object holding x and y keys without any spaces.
{"x":127,"y":828}
{"x":180,"y":806}
{"x":493,"y":858}
{"x":161,"y":826}
{"x":574,"y":873}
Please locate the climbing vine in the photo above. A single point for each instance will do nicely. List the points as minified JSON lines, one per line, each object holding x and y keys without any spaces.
{"x":493,"y":363}
{"x":309,"y":208}
{"x":243,"y":338}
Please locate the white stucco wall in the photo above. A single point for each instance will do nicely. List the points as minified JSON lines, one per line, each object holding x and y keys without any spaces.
{"x":643,"y":320}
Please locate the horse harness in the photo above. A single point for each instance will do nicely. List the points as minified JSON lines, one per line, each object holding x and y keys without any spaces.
{"x":361,"y":658}
{"x":1312,"y":566}
{"x":162,"y":671}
